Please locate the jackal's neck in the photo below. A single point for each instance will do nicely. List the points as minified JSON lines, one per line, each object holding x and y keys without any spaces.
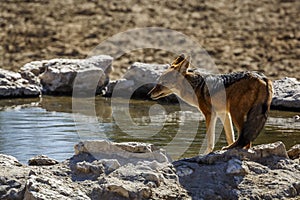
{"x":188,"y":92}
{"x":194,"y":79}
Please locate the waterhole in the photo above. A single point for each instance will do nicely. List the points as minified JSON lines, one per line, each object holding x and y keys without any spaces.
{"x":30,"y":127}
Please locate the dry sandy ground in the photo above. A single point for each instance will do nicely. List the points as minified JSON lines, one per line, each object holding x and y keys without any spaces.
{"x":259,"y":35}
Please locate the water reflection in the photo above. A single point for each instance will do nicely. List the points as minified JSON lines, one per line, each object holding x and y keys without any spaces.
{"x":47,"y":126}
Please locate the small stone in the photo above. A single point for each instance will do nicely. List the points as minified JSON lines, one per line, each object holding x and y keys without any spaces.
{"x":42,"y":160}
{"x":236,"y":167}
{"x":110,"y":165}
{"x":118,"y":189}
{"x":153,"y":177}
{"x":184,"y":171}
{"x":145,"y":193}
{"x":294,"y":152}
{"x":84,"y":167}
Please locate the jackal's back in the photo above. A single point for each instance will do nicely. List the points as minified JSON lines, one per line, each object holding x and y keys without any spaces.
{"x":215,"y":83}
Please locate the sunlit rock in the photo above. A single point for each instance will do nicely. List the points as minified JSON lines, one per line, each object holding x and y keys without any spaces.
{"x":286,"y":94}
{"x":236,"y":167}
{"x":124,"y":152}
{"x":13,"y":85}
{"x":139,"y":79}
{"x":63,"y":76}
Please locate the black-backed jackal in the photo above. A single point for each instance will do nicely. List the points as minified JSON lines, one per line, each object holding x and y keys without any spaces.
{"x":243,"y":98}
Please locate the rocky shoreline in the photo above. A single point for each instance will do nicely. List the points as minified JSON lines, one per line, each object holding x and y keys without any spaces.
{"x":106,"y":170}
{"x":91,"y":76}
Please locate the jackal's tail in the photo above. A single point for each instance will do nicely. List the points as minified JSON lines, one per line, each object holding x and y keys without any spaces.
{"x":256,"y":119}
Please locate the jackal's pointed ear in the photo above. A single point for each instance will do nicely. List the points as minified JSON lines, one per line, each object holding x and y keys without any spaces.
{"x":178,"y":60}
{"x":184,"y":65}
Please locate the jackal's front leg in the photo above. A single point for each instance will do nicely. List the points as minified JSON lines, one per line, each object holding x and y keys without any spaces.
{"x":210,"y":131}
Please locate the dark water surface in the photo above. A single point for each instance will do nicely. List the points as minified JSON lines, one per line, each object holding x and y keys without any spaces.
{"x":51,"y":126}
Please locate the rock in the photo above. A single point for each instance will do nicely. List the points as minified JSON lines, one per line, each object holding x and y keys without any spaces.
{"x":140,"y":181}
{"x":42,"y":160}
{"x":12,"y":178}
{"x":256,"y":153}
{"x":124,"y":87}
{"x":124,"y":152}
{"x":236,"y":167}
{"x":13,"y":85}
{"x":136,"y":147}
{"x":95,"y":168}
{"x":110,"y":165}
{"x":61,"y":76}
{"x":286,"y":94}
{"x":257,"y":168}
{"x":138,"y":81}
{"x":45,"y":186}
{"x":273,"y":149}
{"x":294,"y":152}
{"x":135,"y":178}
{"x":9,"y":160}
{"x":143,"y":73}
{"x":263,"y":172}
{"x":184,"y":170}
{"x":257,"y":173}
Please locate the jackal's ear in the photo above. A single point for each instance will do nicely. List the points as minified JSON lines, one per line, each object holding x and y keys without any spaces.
{"x":184,"y":65}
{"x":178,"y":60}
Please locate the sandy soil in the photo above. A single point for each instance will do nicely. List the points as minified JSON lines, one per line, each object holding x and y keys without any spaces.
{"x":259,"y":35}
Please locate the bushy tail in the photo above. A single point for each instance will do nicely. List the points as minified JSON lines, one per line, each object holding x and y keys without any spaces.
{"x":256,"y":119}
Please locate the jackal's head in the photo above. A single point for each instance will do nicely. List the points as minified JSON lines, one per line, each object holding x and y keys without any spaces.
{"x":169,"y":81}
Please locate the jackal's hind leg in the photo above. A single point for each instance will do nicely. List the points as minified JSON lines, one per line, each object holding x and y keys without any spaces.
{"x":256,"y":119}
{"x":228,"y":128}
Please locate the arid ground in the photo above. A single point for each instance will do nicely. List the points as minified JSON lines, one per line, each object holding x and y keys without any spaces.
{"x":261,"y":35}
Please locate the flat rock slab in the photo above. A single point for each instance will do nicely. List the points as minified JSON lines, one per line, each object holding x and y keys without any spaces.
{"x":132,"y":152}
{"x":286,"y":94}
{"x":13,"y":85}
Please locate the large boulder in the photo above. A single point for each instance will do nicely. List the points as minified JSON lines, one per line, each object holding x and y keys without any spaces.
{"x":286,"y":94}
{"x":13,"y":85}
{"x":138,"y":81}
{"x":63,"y":76}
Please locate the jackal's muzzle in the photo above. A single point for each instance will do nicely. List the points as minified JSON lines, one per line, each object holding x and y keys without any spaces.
{"x":159,"y":91}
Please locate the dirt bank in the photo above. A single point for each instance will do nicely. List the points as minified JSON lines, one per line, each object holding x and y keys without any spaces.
{"x":239,"y":35}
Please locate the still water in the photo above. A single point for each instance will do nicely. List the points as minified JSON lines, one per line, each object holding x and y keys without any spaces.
{"x":53,"y":125}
